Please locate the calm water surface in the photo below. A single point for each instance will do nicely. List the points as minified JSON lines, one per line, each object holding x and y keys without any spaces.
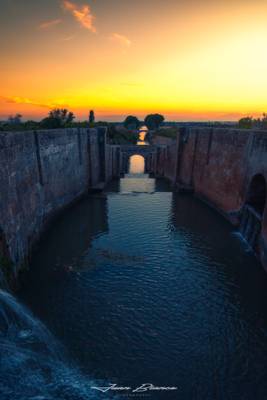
{"x":144,"y":285}
{"x":143,"y":130}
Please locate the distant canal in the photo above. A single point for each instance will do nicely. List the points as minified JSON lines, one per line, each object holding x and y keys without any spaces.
{"x":142,"y":136}
{"x":143,"y":285}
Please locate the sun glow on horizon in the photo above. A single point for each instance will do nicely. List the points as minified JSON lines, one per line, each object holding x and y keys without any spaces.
{"x":188,"y":60}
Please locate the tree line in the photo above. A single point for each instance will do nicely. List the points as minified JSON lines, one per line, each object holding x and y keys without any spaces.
{"x":152,"y":121}
{"x":62,"y":118}
{"x":250,"y":122}
{"x":57,"y":118}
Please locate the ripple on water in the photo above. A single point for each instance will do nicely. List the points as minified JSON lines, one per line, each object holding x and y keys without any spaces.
{"x":159,"y":291}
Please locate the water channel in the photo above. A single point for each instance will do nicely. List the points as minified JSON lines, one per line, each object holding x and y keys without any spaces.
{"x":139,"y":285}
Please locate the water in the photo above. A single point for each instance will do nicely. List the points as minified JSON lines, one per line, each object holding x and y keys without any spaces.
{"x":250,"y":226}
{"x":143,"y":131}
{"x":33,"y":364}
{"x":142,"y":285}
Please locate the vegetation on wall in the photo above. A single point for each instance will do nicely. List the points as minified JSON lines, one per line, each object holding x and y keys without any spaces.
{"x":249,"y":122}
{"x":62,"y":118}
{"x":120,"y":135}
{"x":56,"y":119}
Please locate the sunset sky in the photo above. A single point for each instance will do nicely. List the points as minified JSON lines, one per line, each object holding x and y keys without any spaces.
{"x":187,"y":59}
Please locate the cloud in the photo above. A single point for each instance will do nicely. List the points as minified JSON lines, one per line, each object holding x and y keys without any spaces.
{"x":48,"y":24}
{"x":121,"y":39}
{"x":82,"y":14}
{"x":25,"y":100}
{"x":67,"y":38}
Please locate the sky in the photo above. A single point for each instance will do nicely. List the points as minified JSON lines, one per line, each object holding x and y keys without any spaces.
{"x":186,"y":59}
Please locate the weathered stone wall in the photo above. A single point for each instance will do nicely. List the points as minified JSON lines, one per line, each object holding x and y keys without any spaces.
{"x":94,"y":159}
{"x":214,"y":163}
{"x":166,"y":158}
{"x":257,"y":164}
{"x":41,"y":173}
{"x":187,"y":143}
{"x":219,"y":164}
{"x":149,"y":153}
{"x":113,"y":162}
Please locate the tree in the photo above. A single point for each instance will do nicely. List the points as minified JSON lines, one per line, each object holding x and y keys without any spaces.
{"x":62,"y":114}
{"x":153,"y":121}
{"x":131,"y":122}
{"x":57,"y":118}
{"x":264,"y":121}
{"x":31,"y":125}
{"x":50,"y":123}
{"x":15,"y":119}
{"x":91,"y":117}
{"x":246,"y":122}
{"x":70,"y":117}
{"x":119,"y":135}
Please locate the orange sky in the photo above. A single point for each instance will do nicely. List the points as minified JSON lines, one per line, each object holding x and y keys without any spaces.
{"x":188,"y":59}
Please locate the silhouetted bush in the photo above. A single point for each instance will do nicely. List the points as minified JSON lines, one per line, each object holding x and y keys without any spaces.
{"x":250,"y":122}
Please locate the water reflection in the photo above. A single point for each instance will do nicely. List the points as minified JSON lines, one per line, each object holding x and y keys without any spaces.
{"x":162,"y":292}
{"x":138,"y":183}
{"x":66,"y":242}
{"x":142,"y":136}
{"x":137,"y":164}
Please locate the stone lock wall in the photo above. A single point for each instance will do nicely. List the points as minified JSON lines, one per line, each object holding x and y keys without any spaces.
{"x":40,"y":174}
{"x":166,"y":158}
{"x":43,"y":172}
{"x":214,"y":163}
{"x":219,"y":165}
